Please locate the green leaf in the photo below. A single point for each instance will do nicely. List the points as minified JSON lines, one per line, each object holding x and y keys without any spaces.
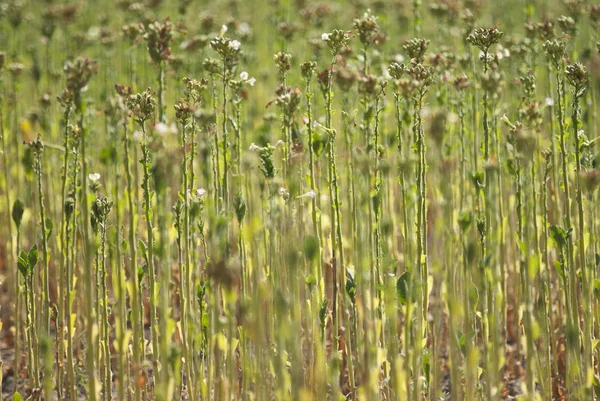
{"x":560,"y":269}
{"x":323,"y":312}
{"x":32,"y":257}
{"x":311,"y":247}
{"x":465,"y":219}
{"x":473,"y":295}
{"x":351,"y":289}
{"x":23,"y":264}
{"x":403,"y":288}
{"x":143,"y":248}
{"x":463,"y":338}
{"x":142,"y":272}
{"x":17,"y":396}
{"x":49,"y":227}
{"x":596,"y":383}
{"x":426,"y":363}
{"x":558,"y":235}
{"x":17,"y":214}
{"x":596,"y":286}
{"x":478,"y":180}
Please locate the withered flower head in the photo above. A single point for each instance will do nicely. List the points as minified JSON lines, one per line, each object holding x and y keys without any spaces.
{"x":158,"y":35}
{"x":421,"y":75}
{"x":79,"y":74}
{"x":578,"y":77}
{"x":287,"y":30}
{"x":141,"y":106}
{"x":367,"y":29}
{"x":371,"y":85}
{"x":15,"y":11}
{"x":528,"y":84}
{"x":461,"y":82}
{"x":575,"y":8}
{"x":183,"y":110}
{"x":211,"y":65}
{"x":396,"y":70}
{"x":307,"y":69}
{"x":132,"y":32}
{"x":123,"y":90}
{"x":567,"y":25}
{"x":283,"y":61}
{"x":416,"y":48}
{"x":484,"y":38}
{"x":546,"y":30}
{"x":555,"y":50}
{"x":15,"y":69}
{"x":228,"y":49}
{"x":337,"y":40}
{"x":194,"y":88}
{"x":65,"y":99}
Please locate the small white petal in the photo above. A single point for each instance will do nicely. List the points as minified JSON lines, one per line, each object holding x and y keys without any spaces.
{"x":161,"y":128}
{"x":200,"y":192}
{"x":325,"y":36}
{"x":243,"y":27}
{"x":253,"y":146}
{"x":251,"y":81}
{"x":235,"y":44}
{"x":549,"y":102}
{"x":138,"y":135}
{"x":310,"y":194}
{"x":94,"y":177}
{"x":224,"y":28}
{"x":244,"y":76}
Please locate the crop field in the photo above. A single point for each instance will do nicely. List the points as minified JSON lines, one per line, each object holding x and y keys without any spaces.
{"x":300,"y":200}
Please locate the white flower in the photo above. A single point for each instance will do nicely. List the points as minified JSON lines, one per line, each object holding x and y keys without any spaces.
{"x":251,"y":81}
{"x":549,"y":102}
{"x":161,"y":128}
{"x":137,"y":136}
{"x":279,"y":143}
{"x":223,"y":29}
{"x":310,"y":194}
{"x":243,"y":27}
{"x":253,"y":147}
{"x":325,"y":36}
{"x":200,"y":192}
{"x":244,"y":76}
{"x":93,"y":33}
{"x":282,"y":191}
{"x":94,"y":177}
{"x":235,"y":44}
{"x":399,"y":58}
{"x":386,"y":74}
